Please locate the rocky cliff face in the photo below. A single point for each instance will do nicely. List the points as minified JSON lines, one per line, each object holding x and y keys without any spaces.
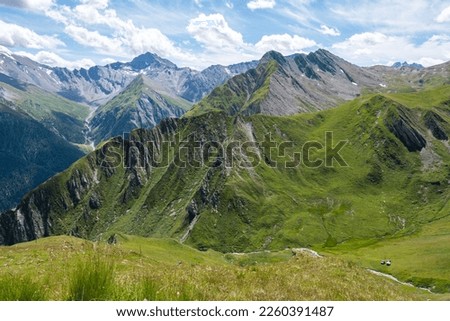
{"x":403,"y":125}
{"x":202,"y":83}
{"x":437,"y":125}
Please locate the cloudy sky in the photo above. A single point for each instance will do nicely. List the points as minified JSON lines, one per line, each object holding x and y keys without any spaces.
{"x":198,"y":33}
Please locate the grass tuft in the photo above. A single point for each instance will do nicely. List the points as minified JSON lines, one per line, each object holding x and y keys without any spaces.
{"x":20,"y":288}
{"x":92,"y":280}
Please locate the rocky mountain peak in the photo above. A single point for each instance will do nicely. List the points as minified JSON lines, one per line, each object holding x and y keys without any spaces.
{"x":273,"y":55}
{"x":149,"y":59}
{"x":324,"y":59}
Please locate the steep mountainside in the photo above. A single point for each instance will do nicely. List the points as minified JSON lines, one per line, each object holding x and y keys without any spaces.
{"x":392,"y":179}
{"x":59,"y":115}
{"x":29,"y":154}
{"x":138,"y":106}
{"x":288,"y":85}
{"x":98,"y":84}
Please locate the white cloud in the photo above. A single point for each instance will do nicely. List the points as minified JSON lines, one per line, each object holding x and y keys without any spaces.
{"x":301,"y":13}
{"x":261,"y":4}
{"x":5,"y":50}
{"x":330,"y":31}
{"x":29,"y":4}
{"x":444,"y":16}
{"x":93,"y":39}
{"x":107,"y":61}
{"x":229,"y":4}
{"x":391,"y":16}
{"x":364,"y":40}
{"x":126,"y":39}
{"x":141,"y":40}
{"x":99,"y":4}
{"x":96,"y":12}
{"x":214,"y":33}
{"x":226,"y":46}
{"x":371,"y":48}
{"x":427,"y":61}
{"x":286,"y":44}
{"x":198,"y":3}
{"x":59,"y":14}
{"x":12,"y":35}
{"x":53,"y":60}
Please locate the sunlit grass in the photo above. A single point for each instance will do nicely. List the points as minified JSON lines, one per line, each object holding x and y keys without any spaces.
{"x":21,"y":288}
{"x":64,"y":268}
{"x":92,"y":279}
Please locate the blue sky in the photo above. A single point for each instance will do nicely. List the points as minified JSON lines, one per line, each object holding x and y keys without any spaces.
{"x":198,"y":33}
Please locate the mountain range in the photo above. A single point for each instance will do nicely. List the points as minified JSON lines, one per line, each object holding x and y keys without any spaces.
{"x":87,"y":106}
{"x":98,"y":84}
{"x":148,"y":185}
{"x":306,"y":150}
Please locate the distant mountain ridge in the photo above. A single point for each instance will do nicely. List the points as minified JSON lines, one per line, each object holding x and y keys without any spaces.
{"x":407,"y":65}
{"x":98,"y":84}
{"x":137,"y":94}
{"x":63,"y":117}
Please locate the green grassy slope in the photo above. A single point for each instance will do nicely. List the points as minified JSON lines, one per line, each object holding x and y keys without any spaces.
{"x":240,"y":94}
{"x":66,"y":268}
{"x":137,"y":106}
{"x":420,"y":258}
{"x":394,"y":185}
{"x":29,"y":154}
{"x":54,"y":112}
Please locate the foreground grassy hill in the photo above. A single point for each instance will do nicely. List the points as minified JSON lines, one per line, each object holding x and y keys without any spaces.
{"x":135,"y":268}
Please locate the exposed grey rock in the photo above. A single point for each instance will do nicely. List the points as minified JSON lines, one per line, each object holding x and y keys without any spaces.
{"x":434,"y":123}
{"x":112,"y":239}
{"x":405,"y":130}
{"x":99,"y":84}
{"x":95,"y":202}
{"x":287,"y":85}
